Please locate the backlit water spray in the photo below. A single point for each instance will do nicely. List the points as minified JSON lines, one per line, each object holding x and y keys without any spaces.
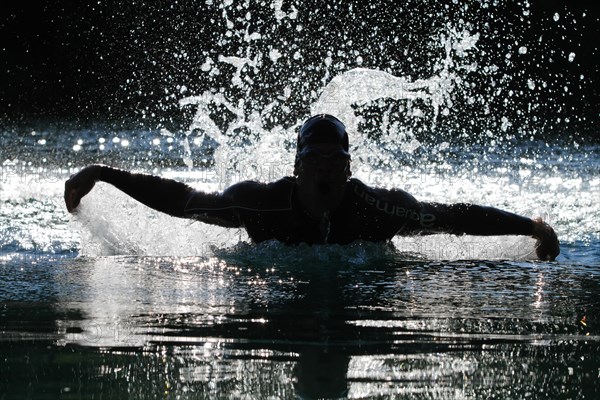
{"x":406,"y":130}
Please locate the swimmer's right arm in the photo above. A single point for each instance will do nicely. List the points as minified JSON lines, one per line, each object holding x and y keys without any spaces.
{"x":165,"y":195}
{"x":79,"y":185}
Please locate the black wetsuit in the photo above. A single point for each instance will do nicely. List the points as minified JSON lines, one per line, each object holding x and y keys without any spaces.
{"x":272,"y":211}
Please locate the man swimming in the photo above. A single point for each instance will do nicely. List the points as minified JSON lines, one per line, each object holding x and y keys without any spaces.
{"x":319,"y":204}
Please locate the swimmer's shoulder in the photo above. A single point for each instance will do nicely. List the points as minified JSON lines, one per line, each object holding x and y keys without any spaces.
{"x":395,"y":195}
{"x":251,"y":192}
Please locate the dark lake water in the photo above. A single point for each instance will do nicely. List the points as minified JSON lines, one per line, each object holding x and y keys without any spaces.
{"x":360,"y":322}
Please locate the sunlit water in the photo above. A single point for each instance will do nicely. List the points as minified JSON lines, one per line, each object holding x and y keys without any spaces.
{"x":119,"y":301}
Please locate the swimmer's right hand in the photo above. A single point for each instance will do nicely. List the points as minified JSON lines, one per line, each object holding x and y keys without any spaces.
{"x":79,"y":185}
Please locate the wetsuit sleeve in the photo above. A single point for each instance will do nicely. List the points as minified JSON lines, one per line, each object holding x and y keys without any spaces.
{"x":471,"y":219}
{"x":215,"y":208}
{"x":172,"y":197}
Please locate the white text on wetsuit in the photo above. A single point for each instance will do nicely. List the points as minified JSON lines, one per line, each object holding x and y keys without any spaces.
{"x":425,"y":220}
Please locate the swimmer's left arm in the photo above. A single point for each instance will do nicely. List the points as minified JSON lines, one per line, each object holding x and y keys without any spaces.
{"x":547,"y":245}
{"x":471,"y":219}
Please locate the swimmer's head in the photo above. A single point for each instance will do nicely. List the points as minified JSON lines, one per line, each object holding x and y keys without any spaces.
{"x":322,"y":165}
{"x":321,"y":132}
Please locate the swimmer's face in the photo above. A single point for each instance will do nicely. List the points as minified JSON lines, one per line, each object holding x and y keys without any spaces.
{"x":323,"y":170}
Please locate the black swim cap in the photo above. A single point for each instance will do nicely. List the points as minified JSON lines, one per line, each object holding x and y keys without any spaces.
{"x":322,"y":128}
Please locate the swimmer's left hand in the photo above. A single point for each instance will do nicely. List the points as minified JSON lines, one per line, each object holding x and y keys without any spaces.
{"x":547,"y":246}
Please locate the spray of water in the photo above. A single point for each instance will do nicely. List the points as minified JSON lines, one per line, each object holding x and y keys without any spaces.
{"x":261,"y":83}
{"x":247,"y":146}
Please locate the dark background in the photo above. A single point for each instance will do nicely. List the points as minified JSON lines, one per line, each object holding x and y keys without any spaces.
{"x":126,"y":62}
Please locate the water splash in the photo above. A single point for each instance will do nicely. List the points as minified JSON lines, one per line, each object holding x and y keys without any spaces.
{"x":245,"y":143}
{"x":245,"y":146}
{"x":360,"y":86}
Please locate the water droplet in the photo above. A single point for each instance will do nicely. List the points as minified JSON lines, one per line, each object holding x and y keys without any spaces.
{"x":207,"y":65}
{"x":274,"y":55}
{"x":530,"y":84}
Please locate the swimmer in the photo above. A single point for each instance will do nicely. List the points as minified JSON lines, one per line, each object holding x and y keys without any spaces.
{"x":321,"y":203}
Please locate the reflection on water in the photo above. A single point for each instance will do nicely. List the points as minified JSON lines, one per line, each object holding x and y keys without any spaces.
{"x":225,"y":327}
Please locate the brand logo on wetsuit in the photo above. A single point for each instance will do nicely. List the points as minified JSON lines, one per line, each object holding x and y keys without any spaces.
{"x":425,"y":220}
